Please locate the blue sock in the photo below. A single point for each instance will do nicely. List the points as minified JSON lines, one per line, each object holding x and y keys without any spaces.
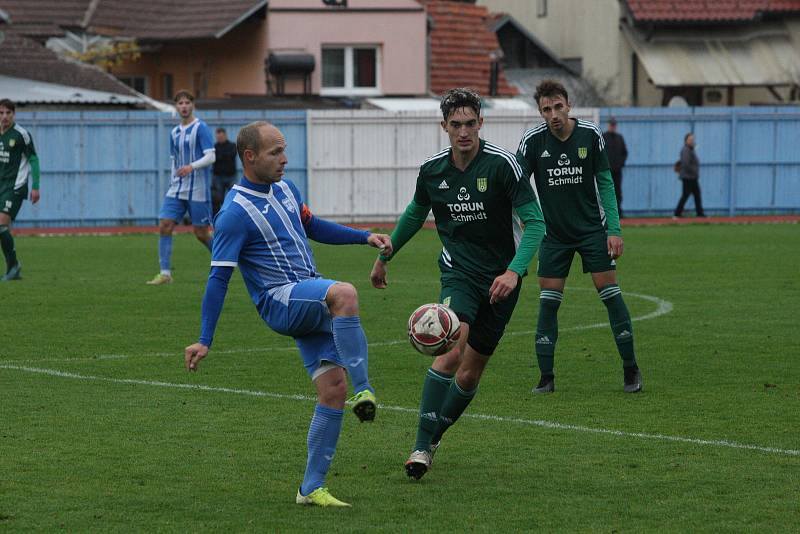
{"x":165,"y":252}
{"x":322,"y":437}
{"x":351,"y":344}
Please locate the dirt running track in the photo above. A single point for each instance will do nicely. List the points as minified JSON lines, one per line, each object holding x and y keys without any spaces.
{"x":650,"y":221}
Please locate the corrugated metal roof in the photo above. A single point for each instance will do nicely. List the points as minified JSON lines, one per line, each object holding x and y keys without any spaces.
{"x":765,"y":56}
{"x":27,"y":59}
{"x":24,"y":91}
{"x":581,"y":92}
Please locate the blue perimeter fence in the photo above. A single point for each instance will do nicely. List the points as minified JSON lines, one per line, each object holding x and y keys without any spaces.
{"x":112,"y":168}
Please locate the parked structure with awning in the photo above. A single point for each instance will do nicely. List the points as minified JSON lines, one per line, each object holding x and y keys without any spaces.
{"x":763,"y":56}
{"x":688,"y":52}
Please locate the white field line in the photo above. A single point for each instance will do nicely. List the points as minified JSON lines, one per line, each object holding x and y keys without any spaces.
{"x":663,"y":307}
{"x":495,"y":418}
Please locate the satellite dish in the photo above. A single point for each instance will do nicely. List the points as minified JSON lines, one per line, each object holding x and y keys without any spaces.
{"x":678,"y":102}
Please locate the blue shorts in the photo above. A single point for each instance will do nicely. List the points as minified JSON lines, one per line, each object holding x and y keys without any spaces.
{"x":175,"y":208}
{"x":303,"y":314}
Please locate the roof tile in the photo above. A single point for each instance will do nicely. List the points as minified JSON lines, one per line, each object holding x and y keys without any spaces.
{"x":462,"y":48}
{"x":141,"y":19}
{"x":21,"y":57}
{"x":707,"y":10}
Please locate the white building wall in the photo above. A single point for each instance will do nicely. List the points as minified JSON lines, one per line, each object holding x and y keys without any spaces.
{"x":587,"y":29}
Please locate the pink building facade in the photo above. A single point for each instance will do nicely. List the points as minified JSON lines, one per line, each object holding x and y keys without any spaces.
{"x":369,"y":48}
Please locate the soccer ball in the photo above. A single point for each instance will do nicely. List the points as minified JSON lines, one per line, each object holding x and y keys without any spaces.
{"x":433,"y":329}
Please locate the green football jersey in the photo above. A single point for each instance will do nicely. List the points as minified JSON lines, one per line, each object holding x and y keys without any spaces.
{"x":16,"y":149}
{"x":474,"y":209}
{"x":565,"y":174}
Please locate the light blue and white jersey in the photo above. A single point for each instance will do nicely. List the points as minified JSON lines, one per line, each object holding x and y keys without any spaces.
{"x":260,"y":230}
{"x":187,"y":144}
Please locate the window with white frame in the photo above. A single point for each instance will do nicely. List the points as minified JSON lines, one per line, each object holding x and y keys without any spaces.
{"x":350,"y":70}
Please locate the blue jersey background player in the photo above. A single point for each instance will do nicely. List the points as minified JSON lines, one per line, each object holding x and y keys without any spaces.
{"x":191,"y":148}
{"x":263,"y":229}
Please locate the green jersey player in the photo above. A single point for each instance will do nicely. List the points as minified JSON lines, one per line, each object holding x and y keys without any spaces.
{"x":19,"y":165}
{"x":571,"y":172}
{"x":479,"y":194}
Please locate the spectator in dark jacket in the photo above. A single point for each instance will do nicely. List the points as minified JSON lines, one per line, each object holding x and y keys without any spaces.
{"x":617,"y":154}
{"x":688,"y":169}
{"x":224,"y":169}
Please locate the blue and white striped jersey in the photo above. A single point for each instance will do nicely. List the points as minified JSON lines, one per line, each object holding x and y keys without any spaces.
{"x":263,"y":234}
{"x":187,"y":144}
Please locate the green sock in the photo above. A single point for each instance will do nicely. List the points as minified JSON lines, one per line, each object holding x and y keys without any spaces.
{"x":620,"y":320}
{"x":547,"y":329}
{"x":453,"y":406}
{"x":434,"y":391}
{"x":7,"y":243}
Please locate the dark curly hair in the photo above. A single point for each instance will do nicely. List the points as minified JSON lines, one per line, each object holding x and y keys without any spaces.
{"x":549,"y":89}
{"x":460,"y":97}
{"x":183,"y":93}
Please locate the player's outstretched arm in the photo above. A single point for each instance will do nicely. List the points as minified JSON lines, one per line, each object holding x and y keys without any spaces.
{"x":213,"y":299}
{"x":615,"y":246}
{"x":378,"y":274}
{"x":530,"y":215}
{"x":608,"y":199}
{"x":382,"y":242}
{"x":329,"y":232}
{"x":208,"y":158}
{"x":33,"y":160}
{"x":193,"y":354}
{"x":409,"y":224}
{"x":503,"y":286}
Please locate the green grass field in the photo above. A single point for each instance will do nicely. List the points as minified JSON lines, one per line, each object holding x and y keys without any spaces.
{"x":101,"y":428}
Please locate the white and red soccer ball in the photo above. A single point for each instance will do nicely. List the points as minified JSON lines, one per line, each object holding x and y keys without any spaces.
{"x":433,"y":329}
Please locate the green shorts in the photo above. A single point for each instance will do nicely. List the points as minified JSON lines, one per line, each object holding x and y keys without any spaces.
{"x":555,"y":259}
{"x":11,"y":200}
{"x":469,"y":299}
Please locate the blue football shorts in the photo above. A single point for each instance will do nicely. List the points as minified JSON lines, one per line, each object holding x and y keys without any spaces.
{"x":175,"y":208}
{"x":304,"y":315}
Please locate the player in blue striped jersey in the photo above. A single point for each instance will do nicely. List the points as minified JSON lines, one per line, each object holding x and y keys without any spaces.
{"x":263,"y":228}
{"x":191,"y":148}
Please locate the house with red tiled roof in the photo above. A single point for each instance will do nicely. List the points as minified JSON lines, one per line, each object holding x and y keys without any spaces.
{"x":704,"y":52}
{"x":30,"y":74}
{"x":175,"y":45}
{"x":349,"y":49}
{"x":527,"y":62}
{"x":243,"y":48}
{"x":662,"y":52}
{"x":464,"y":52}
